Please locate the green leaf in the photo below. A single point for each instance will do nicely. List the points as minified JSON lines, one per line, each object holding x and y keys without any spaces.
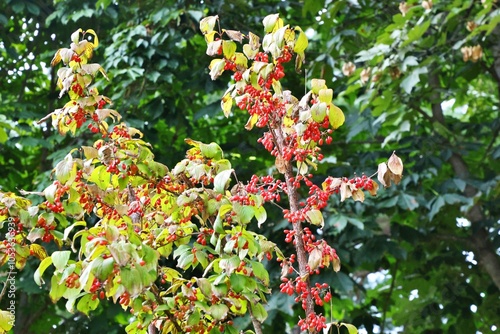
{"x":131,"y":280}
{"x":211,"y":151}
{"x":260,"y":215}
{"x":219,"y":311}
{"x":87,"y":303}
{"x":41,"y":269}
{"x":57,"y":289}
{"x":416,"y":32}
{"x":412,"y":79}
{"x":350,"y":328}
{"x":436,"y":206}
{"x":244,"y":213}
{"x":100,"y":177}
{"x":258,"y":311}
{"x":260,"y":272}
{"x":238,"y":282}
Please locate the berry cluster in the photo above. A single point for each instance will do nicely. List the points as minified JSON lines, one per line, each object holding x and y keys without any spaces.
{"x":267,"y":187}
{"x":77,"y":89}
{"x":73,"y":281}
{"x":313,"y":323}
{"x":57,"y":206}
{"x":47,"y":236}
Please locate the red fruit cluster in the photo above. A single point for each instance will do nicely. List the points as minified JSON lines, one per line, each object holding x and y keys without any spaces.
{"x":313,"y":323}
{"x":124,"y":299}
{"x":47,"y":236}
{"x":79,"y":117}
{"x":267,"y":187}
{"x":73,"y":281}
{"x":204,"y":234}
{"x":76,"y":58}
{"x":96,"y":285}
{"x":57,"y":206}
{"x":77,"y":89}
{"x":363,"y":182}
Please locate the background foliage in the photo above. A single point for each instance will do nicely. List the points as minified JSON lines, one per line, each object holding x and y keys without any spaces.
{"x":422,"y":257}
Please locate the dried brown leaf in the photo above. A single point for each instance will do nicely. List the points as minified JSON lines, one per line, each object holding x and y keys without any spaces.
{"x":395,"y":164}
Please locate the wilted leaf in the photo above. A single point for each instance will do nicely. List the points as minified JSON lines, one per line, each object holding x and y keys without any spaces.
{"x":38,"y":251}
{"x":315,"y":217}
{"x":280,"y":164}
{"x":315,"y":258}
{"x":213,"y":47}
{"x":235,"y":35}
{"x":395,"y":164}
{"x":345,"y":191}
{"x":358,"y":195}
{"x":382,"y":174}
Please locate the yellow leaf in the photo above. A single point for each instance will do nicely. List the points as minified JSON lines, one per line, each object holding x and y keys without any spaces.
{"x":38,"y":251}
{"x":336,"y":116}
{"x":251,"y":122}
{"x":227,"y":104}
{"x":302,"y":42}
{"x":94,"y":43}
{"x":228,"y":49}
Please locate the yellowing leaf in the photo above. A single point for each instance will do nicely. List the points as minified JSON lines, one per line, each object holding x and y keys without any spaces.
{"x":302,"y":42}
{"x":336,"y":116}
{"x":325,"y":95}
{"x":317,"y":85}
{"x":6,"y":321}
{"x":251,"y":122}
{"x":95,"y":42}
{"x":318,"y":112}
{"x":207,"y":24}
{"x":227,"y":104}
{"x":314,"y":259}
{"x":38,"y":251}
{"x":228,"y":49}
{"x":216,"y":68}
{"x":269,"y":22}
